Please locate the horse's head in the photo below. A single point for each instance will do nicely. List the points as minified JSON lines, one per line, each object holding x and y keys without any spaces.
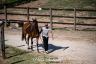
{"x":35,"y":20}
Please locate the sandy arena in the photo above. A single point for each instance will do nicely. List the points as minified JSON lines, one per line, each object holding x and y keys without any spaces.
{"x":75,"y":47}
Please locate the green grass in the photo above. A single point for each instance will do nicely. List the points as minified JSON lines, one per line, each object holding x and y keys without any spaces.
{"x":12,"y":1}
{"x":60,"y":3}
{"x":17,"y":56}
{"x":71,"y":3}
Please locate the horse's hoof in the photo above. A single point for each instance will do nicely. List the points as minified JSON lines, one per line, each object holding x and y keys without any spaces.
{"x":38,"y":51}
{"x":32,"y":49}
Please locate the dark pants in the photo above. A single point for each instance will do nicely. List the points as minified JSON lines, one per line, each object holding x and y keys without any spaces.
{"x":45,"y":43}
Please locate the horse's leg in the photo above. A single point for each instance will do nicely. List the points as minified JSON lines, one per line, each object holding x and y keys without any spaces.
{"x":37,"y":45}
{"x":28,"y":41}
{"x":32,"y":43}
{"x":26,"y":38}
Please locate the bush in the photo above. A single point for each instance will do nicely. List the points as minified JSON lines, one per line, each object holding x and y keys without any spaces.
{"x":11,"y":3}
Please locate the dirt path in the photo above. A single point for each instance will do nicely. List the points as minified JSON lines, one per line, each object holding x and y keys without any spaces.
{"x":2,"y":61}
{"x":75,"y":47}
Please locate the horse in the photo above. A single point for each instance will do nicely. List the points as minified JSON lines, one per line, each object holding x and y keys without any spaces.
{"x":32,"y":30}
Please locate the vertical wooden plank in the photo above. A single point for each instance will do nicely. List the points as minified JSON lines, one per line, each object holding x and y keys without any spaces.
{"x":3,"y":41}
{"x":28,"y":13}
{"x":5,"y":13}
{"x":51,"y":23}
{"x":74,"y":18}
{"x":1,"y":22}
{"x":0,"y":39}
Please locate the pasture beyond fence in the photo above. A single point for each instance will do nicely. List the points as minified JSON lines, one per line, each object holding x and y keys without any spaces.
{"x":50,"y":15}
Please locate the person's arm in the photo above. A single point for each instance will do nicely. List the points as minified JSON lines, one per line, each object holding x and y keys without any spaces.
{"x":40,"y":31}
{"x":40,"y":35}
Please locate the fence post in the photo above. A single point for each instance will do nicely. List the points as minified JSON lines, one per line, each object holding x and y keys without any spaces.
{"x":74,"y":18}
{"x":0,"y":43}
{"x":28,"y":13}
{"x":3,"y":41}
{"x":51,"y":23}
{"x":5,"y":13}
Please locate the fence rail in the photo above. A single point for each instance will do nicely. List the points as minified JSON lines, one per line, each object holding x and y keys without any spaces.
{"x":20,"y":21}
{"x":50,"y":15}
{"x":81,"y":17}
{"x":67,"y":9}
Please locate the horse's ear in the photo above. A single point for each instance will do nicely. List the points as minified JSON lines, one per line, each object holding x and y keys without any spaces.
{"x":32,"y":19}
{"x":35,"y":19}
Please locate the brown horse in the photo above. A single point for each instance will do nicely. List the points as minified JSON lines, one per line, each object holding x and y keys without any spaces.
{"x":31,"y":29}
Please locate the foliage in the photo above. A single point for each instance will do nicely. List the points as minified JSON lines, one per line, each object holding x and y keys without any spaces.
{"x":58,"y":3}
{"x":11,"y":3}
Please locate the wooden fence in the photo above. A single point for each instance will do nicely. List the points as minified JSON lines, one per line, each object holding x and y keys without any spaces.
{"x":5,"y":20}
{"x":50,"y":15}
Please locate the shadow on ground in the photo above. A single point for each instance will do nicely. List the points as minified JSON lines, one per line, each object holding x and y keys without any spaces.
{"x":17,"y":62}
{"x":52,"y":48}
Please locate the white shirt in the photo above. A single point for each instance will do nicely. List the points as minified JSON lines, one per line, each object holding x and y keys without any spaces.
{"x":1,"y":22}
{"x":45,"y":31}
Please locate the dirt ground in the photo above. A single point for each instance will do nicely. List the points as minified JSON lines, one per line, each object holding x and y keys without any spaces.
{"x":71,"y":47}
{"x":2,"y":61}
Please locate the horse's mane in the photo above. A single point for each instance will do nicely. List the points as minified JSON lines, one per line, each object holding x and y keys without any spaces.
{"x":36,"y":24}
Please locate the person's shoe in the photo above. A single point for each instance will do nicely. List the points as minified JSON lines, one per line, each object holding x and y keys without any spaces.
{"x":46,"y":52}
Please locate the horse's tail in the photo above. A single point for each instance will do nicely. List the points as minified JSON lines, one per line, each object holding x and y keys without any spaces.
{"x":23,"y":32}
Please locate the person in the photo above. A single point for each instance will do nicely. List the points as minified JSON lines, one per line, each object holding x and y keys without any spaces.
{"x":45,"y":35}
